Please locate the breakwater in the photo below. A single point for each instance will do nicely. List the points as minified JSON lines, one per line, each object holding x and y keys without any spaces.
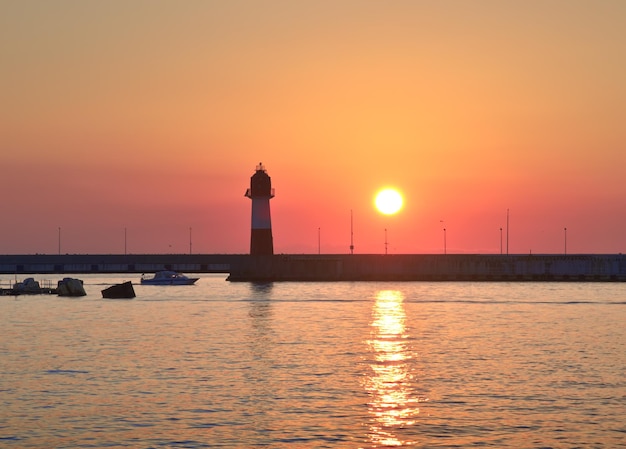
{"x":423,"y":267}
{"x":341,"y":267}
{"x":112,"y":263}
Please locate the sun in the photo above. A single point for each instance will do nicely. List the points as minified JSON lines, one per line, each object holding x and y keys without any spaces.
{"x":388,"y":201}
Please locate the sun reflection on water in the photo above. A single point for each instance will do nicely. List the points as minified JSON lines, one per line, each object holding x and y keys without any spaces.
{"x":393,"y":402}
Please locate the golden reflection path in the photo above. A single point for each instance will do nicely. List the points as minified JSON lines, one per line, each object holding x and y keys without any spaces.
{"x":393,"y":404}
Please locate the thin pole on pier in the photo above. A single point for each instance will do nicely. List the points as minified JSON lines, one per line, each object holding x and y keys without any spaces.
{"x":189,"y":241}
{"x":507,"y":232}
{"x":319,"y":242}
{"x":59,"y":240}
{"x":565,"y":246}
{"x":385,"y":241}
{"x":351,"y":233}
{"x":125,"y":242}
{"x":500,"y":241}
{"x":445,"y":250}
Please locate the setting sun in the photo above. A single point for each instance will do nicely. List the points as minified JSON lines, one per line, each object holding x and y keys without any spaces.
{"x":388,"y":201}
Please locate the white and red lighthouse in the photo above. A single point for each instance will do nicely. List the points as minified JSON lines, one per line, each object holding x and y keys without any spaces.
{"x":260,"y":192}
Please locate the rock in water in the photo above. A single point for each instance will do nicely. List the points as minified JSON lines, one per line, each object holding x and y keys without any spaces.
{"x":70,"y":287}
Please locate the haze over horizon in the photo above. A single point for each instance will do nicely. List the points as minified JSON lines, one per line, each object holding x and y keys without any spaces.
{"x":146,"y":119}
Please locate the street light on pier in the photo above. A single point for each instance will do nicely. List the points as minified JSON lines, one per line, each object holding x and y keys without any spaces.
{"x":385,"y":240}
{"x":59,"y":240}
{"x":507,"y":232}
{"x":445,"y":251}
{"x":500,"y":241}
{"x":351,"y":233}
{"x":565,"y":242}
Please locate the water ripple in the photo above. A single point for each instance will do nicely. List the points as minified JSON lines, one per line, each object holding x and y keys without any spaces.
{"x":346,"y":365}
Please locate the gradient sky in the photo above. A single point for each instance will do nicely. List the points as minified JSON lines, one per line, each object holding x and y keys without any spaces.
{"x":150,"y":117}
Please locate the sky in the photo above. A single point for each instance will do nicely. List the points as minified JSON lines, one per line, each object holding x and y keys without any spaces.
{"x":136,"y":126}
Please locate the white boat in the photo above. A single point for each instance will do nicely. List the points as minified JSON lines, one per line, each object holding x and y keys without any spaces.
{"x":167,"y":277}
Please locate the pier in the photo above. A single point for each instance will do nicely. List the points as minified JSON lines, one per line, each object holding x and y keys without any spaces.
{"x":116,"y":263}
{"x":338,"y":267}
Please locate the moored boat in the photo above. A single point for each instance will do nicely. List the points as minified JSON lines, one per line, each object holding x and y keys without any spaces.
{"x":29,"y":286}
{"x":167,"y":277}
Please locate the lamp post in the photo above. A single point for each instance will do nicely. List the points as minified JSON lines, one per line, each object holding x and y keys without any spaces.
{"x":507,"y":232}
{"x":445,"y":250}
{"x":385,"y":240}
{"x":565,"y":242}
{"x":59,"y":240}
{"x":500,"y":241}
{"x":319,"y":242}
{"x":125,"y":242}
{"x":351,"y":233}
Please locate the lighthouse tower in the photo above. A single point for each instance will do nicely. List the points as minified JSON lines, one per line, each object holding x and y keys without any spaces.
{"x":260,"y":192}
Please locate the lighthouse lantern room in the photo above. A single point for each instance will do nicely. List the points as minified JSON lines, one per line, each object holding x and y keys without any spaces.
{"x":260,"y":192}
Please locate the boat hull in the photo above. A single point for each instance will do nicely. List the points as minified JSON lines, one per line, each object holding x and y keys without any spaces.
{"x":168,"y":278}
{"x":189,"y":281}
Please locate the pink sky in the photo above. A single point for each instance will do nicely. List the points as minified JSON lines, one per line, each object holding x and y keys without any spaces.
{"x":148,"y":118}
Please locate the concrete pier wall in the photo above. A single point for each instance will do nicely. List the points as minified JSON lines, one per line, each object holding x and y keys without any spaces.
{"x":422,"y":267}
{"x":342,"y":267}
{"x":111,"y":263}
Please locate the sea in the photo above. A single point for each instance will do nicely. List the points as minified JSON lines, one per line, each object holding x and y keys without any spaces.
{"x":315,"y":365}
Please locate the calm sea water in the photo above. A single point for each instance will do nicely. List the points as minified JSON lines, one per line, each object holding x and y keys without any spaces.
{"x":316,"y":365}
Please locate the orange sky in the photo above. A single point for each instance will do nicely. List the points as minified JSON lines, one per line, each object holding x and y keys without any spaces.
{"x":151,"y":116}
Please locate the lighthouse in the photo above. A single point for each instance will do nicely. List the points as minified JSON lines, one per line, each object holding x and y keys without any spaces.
{"x":260,"y":192}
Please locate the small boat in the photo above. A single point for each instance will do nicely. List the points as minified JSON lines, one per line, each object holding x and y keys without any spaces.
{"x":167,"y":277}
{"x":124,"y":290}
{"x":28,"y":286}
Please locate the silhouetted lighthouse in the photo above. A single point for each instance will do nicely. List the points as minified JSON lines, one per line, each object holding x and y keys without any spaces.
{"x":260,"y":192}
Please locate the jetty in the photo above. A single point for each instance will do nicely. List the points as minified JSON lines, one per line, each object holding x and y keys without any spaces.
{"x":423,"y":267}
{"x":28,"y":286}
{"x":338,"y":267}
